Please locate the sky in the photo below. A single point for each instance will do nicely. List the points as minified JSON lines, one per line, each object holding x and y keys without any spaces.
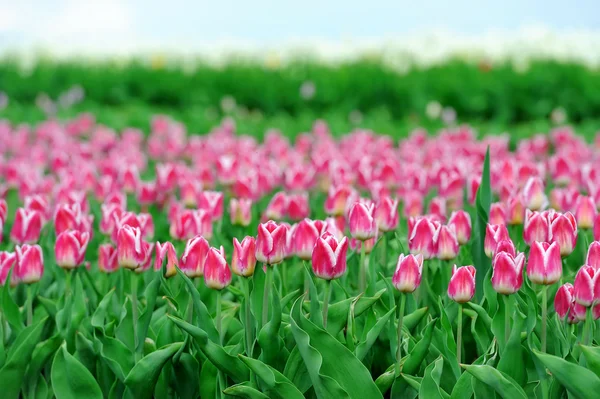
{"x":132,"y":25}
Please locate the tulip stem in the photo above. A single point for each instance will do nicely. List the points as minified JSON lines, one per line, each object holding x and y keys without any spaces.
{"x":306,"y":277}
{"x":284,"y":278}
{"x":134,"y":315}
{"x":362,"y":283}
{"x":218,"y":318}
{"x":588,"y":326}
{"x":265,"y":309}
{"x":29,"y":304}
{"x":326,"y":302}
{"x":248,"y":316}
{"x":400,"y":322}
{"x":384,"y":244}
{"x":544,"y":316}
{"x":459,"y":333}
{"x":506,"y":318}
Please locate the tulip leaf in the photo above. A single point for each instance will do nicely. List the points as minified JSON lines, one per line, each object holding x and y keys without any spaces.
{"x":315,"y":305}
{"x":277,"y":385}
{"x":504,"y":386}
{"x":208,"y":380}
{"x":296,"y":371}
{"x":579,"y":381}
{"x":333,"y":369}
{"x":85,"y":352}
{"x":268,"y":337}
{"x":592,"y":358}
{"x":245,"y":391}
{"x":18,"y":358}
{"x":384,"y":381}
{"x":99,"y":315}
{"x":511,"y":360}
{"x":228,"y":364}
{"x":42,"y":354}
{"x":71,"y":380}
{"x":10,"y":310}
{"x":363,"y":348}
{"x":338,"y":312}
{"x":187,"y":370}
{"x":256,"y":296}
{"x":150,"y":293}
{"x":142,"y":378}
{"x":116,"y":354}
{"x":430,"y":385}
{"x":482,"y":209}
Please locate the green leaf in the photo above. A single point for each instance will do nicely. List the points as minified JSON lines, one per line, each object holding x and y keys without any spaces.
{"x":10,"y":310}
{"x":482,"y":210}
{"x":71,"y":380}
{"x":150,"y":293}
{"x":337,"y":315}
{"x":117,"y":356}
{"x":18,"y":358}
{"x":579,"y":381}
{"x":277,"y":385}
{"x":315,"y":305}
{"x":141,"y":380}
{"x":384,"y":381}
{"x":363,"y":348}
{"x":187,"y":370}
{"x":430,"y":385}
{"x":100,"y":313}
{"x":42,"y":354}
{"x":268,"y":337}
{"x":333,"y":369}
{"x":511,"y":360}
{"x":500,"y":382}
{"x":208,"y":380}
{"x":49,"y":305}
{"x":245,"y":391}
{"x":296,"y":371}
{"x":85,"y":352}
{"x":592,"y":358}
{"x":230,"y":365}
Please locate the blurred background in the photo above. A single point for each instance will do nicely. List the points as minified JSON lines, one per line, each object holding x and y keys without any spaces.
{"x":387,"y":65}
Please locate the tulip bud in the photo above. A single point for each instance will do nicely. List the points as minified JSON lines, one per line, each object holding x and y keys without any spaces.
{"x":27,"y":227}
{"x":329,"y":257}
{"x":357,"y":245}
{"x":298,"y":207}
{"x":240,"y":211}
{"x":212,"y":203}
{"x":497,"y":213}
{"x":437,"y":207}
{"x":194,"y":256}
{"x":534,"y":195}
{"x":413,"y":204}
{"x":507,"y":275}
{"x":304,"y":238}
{"x":593,"y":255}
{"x":277,"y":207}
{"x":462,"y":284}
{"x":461,"y":221}
{"x":536,"y":227}
{"x":147,"y":193}
{"x":166,"y":250}
{"x":7,"y":261}
{"x":446,"y":242}
{"x":3,"y":211}
{"x":585,"y":212}
{"x":270,"y":242}
{"x":337,"y":198}
{"x":563,"y":300}
{"x":409,"y":270}
{"x":585,"y":291}
{"x":243,"y":260}
{"x":216,"y":271}
{"x":40,"y":204}
{"x":361,"y":221}
{"x":110,"y":215}
{"x":515,"y":211}
{"x":597,"y":227}
{"x":544,"y":265}
{"x":505,"y":246}
{"x":563,"y":231}
{"x":30,"y":264}
{"x":421,"y":240}
{"x":70,"y":248}
{"x":132,"y":252}
{"x":386,"y":214}
{"x":494,"y":233}
{"x":107,"y":258}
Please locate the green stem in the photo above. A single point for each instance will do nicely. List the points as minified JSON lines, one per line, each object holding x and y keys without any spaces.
{"x":400,"y":322}
{"x":265,"y":310}
{"x":190,"y":310}
{"x":134,"y":315}
{"x":68,"y":282}
{"x":222,"y":384}
{"x":587,"y":338}
{"x":284,"y":278}
{"x":326,"y":302}
{"x":306,"y":278}
{"x":544,"y":316}
{"x":248,"y":315}
{"x":459,"y":334}
{"x":363,"y":269}
{"x":29,"y":304}
{"x":506,"y":318}
{"x":384,"y":244}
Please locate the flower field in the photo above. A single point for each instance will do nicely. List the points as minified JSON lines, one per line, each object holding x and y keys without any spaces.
{"x":153,"y":262}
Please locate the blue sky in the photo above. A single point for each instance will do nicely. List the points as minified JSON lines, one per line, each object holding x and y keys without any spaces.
{"x":108,"y":24}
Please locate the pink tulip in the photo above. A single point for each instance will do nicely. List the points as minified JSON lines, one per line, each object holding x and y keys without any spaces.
{"x":564,"y":300}
{"x":437,"y":207}
{"x":71,"y":217}
{"x":409,"y":270}
{"x":110,"y":215}
{"x":147,"y":193}
{"x":329,"y":257}
{"x":446,"y":242}
{"x":586,"y":288}
{"x":298,"y":207}
{"x":212,"y":203}
{"x":563,"y":231}
{"x":240,"y":211}
{"x":497,"y":213}
{"x":270,"y":243}
{"x":597,"y":227}
{"x":40,"y":204}
{"x":166,"y":250}
{"x":3,"y":211}
{"x":507,"y":276}
{"x":216,"y":271}
{"x":194,"y":256}
{"x":462,"y":284}
{"x":461,"y":221}
{"x":544,"y":265}
{"x":243,"y":261}
{"x":585,"y":212}
{"x":386,"y":214}
{"x":132,"y":251}
{"x":7,"y":261}
{"x":536,"y":227}
{"x":189,"y":191}
{"x":421,"y":239}
{"x":361,"y":221}
{"x":277,"y":207}
{"x":337,"y":199}
{"x":593,"y":255}
{"x":107,"y":258}
{"x":534,"y":195}
{"x":515,"y":211}
{"x":505,"y":246}
{"x":493,"y":235}
{"x":27,"y":227}
{"x":70,"y":248}
{"x":357,"y":245}
{"x":30,"y":264}
{"x":413,"y":204}
{"x":304,"y":238}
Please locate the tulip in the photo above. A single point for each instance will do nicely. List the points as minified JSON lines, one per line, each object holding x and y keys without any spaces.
{"x":189,"y":191}
{"x":544,"y":266}
{"x":507,"y":275}
{"x":132,"y":252}
{"x":493,"y":235}
{"x":563,"y":231}
{"x":332,"y":226}
{"x":515,"y":211}
{"x":277,"y":207}
{"x":194,"y":256}
{"x":166,"y":250}
{"x":27,"y":227}
{"x":386,"y":214}
{"x":413,"y":204}
{"x":497,"y":213}
{"x":7,"y":261}
{"x":147,"y":193}
{"x":585,"y":212}
{"x":409,"y":270}
{"x":536,"y":227}
{"x":585,"y":291}
{"x":146,"y":225}
{"x":40,"y":204}
{"x":298,"y":207}
{"x":597,"y":227}
{"x":329,"y":257}
{"x":421,"y":239}
{"x":30,"y":264}
{"x":212,"y":202}
{"x":240,"y":211}
{"x":564,"y":300}
{"x":533,"y":194}
{"x":446,"y":242}
{"x":462,"y":284}
{"x":3,"y":211}
{"x":243,"y":260}
{"x":361,"y":221}
{"x":593,"y":255}
{"x":107,"y":258}
{"x":357,"y":245}
{"x":270,"y":243}
{"x":110,"y":215}
{"x":289,"y":243}
{"x":183,"y":226}
{"x":337,"y":199}
{"x":216,"y":271}
{"x":461,"y":221}
{"x":505,"y":246}
{"x":437,"y":207}
{"x":70,"y":217}
{"x":70,"y":248}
